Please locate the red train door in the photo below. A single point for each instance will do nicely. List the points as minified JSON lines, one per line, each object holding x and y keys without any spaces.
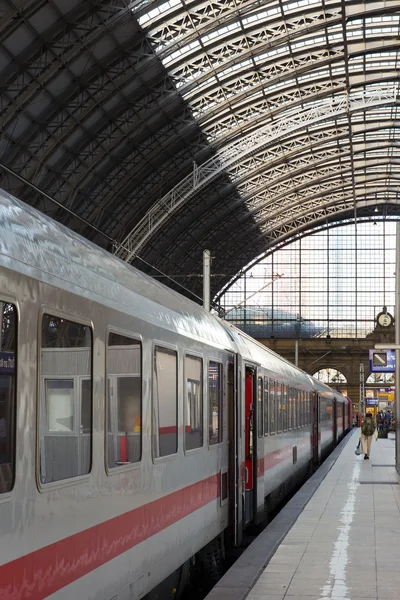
{"x":249,"y":436}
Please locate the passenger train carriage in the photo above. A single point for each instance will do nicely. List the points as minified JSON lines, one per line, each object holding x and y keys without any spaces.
{"x":139,"y":434}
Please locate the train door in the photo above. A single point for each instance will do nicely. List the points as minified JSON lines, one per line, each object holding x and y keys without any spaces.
{"x":334,"y":407}
{"x":316,"y":443}
{"x":250,"y":446}
{"x":235,"y":456}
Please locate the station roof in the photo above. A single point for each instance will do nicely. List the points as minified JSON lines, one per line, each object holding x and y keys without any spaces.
{"x":164,"y":128}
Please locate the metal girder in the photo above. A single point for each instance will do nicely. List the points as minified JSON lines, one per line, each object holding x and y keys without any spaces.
{"x":106,"y":104}
{"x":247,"y":146}
{"x":307,"y":215}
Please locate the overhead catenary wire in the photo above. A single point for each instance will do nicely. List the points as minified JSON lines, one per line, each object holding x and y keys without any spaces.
{"x":89,"y":224}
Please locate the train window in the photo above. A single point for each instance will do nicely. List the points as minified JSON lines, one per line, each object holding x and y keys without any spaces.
{"x":165,"y":402}
{"x":194,"y":403}
{"x":293,"y":408}
{"x":124,"y":400}
{"x":302,"y":407}
{"x":272,"y":407}
{"x":278,"y":397}
{"x":260,"y":398}
{"x":285,"y":408}
{"x":215,"y":381}
{"x":266,"y":401}
{"x":298,"y":408}
{"x":65,"y":399}
{"x":307,"y":408}
{"x":8,"y":380}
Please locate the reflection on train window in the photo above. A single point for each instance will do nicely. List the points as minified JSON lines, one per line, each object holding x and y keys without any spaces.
{"x":266,"y":403}
{"x":194,"y":403}
{"x":215,"y":402}
{"x":8,"y":354}
{"x":278,"y":401}
{"x":307,"y":408}
{"x":301,"y":408}
{"x":285,"y":407}
{"x":60,"y":409}
{"x":165,"y":402}
{"x":294,"y":411}
{"x":272,"y":407}
{"x":260,"y":420}
{"x":86,"y":406}
{"x":65,"y":399}
{"x":124,"y":399}
{"x":291,"y":405}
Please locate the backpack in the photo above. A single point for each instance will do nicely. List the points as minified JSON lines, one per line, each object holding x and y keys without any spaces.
{"x":368,"y":427}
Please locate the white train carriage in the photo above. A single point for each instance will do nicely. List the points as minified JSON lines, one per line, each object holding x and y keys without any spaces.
{"x":138,"y":433}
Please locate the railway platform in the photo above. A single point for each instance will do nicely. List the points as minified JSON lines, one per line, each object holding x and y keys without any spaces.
{"x":337,"y":538}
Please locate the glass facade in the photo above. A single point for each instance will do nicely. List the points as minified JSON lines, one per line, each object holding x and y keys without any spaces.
{"x":333,"y":282}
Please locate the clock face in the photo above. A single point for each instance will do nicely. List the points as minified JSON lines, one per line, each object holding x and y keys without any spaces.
{"x":385,"y":319}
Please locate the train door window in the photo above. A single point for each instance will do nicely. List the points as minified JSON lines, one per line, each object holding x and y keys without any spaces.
{"x":165,"y":402}
{"x":308,"y":408}
{"x":124,"y":373}
{"x":272,"y":407}
{"x":194,"y":403}
{"x":8,"y":402}
{"x":65,"y":399}
{"x":266,"y":405}
{"x":215,"y":381}
{"x":278,"y":396}
{"x":260,"y":398}
{"x":285,"y":408}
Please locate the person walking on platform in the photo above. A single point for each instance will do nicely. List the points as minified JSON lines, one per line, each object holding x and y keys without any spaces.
{"x":367,"y":431}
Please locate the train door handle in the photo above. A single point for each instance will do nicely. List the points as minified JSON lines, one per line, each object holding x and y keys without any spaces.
{"x":246,"y":475}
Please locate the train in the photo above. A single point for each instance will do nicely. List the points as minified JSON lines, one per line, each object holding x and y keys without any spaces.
{"x":140,"y":435}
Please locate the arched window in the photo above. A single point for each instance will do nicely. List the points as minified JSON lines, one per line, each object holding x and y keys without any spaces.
{"x":381,"y":378}
{"x":330,"y":376}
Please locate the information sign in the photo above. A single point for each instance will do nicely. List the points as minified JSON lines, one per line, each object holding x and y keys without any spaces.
{"x":372,"y":401}
{"x":382,"y":361}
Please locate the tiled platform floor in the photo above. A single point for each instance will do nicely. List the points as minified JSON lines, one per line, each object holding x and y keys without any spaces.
{"x":346,"y":542}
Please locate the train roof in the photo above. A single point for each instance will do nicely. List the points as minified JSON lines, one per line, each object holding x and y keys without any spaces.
{"x":323,"y":388}
{"x":35,"y":245}
{"x":254,"y":351}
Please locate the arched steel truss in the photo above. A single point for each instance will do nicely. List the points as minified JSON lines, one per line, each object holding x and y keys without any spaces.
{"x":235,"y":158}
{"x":175,"y":125}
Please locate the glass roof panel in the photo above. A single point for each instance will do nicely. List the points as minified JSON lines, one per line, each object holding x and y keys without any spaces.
{"x":285,"y":81}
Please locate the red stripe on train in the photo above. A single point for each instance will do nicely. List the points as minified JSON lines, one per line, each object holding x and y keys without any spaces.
{"x":43,"y":572}
{"x":277,"y":456}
